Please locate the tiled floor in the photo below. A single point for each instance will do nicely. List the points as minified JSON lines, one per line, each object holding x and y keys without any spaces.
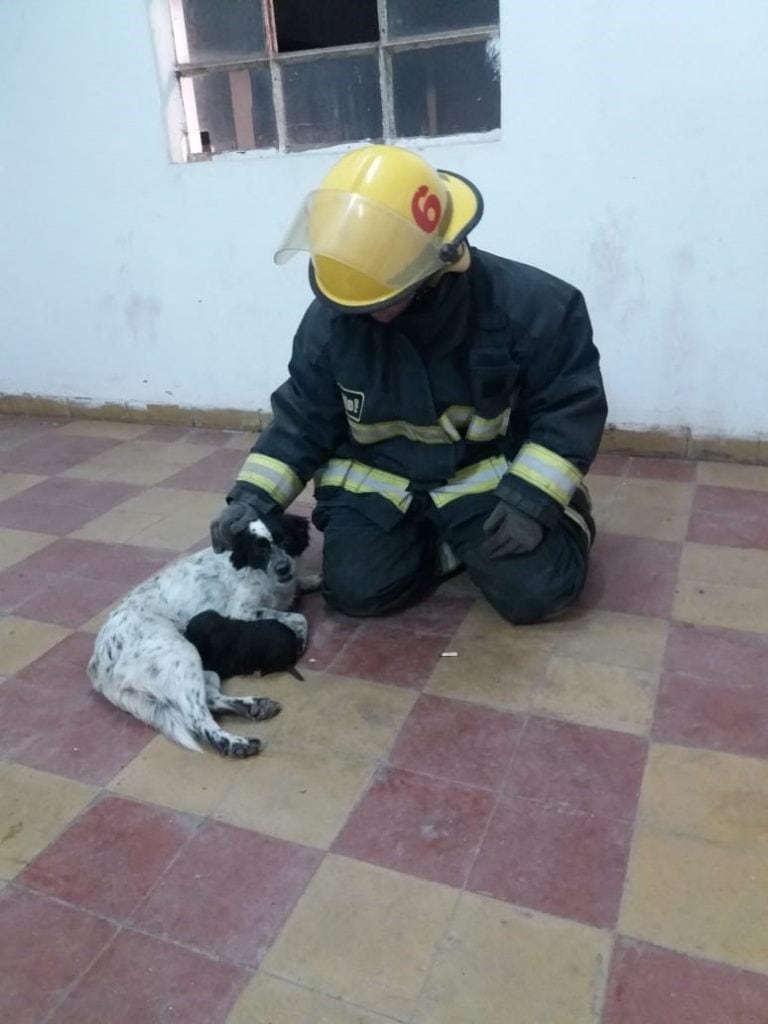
{"x":563,"y":824}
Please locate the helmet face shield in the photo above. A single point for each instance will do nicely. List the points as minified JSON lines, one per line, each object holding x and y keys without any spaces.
{"x":362,"y":251}
{"x":382,"y":221}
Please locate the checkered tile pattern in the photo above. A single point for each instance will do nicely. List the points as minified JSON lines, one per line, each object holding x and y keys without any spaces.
{"x":564,"y":824}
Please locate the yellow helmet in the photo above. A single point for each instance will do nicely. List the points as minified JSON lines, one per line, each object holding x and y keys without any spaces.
{"x":382,"y":221}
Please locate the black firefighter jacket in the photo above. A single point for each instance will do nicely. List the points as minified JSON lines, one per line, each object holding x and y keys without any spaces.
{"x":489,"y":381}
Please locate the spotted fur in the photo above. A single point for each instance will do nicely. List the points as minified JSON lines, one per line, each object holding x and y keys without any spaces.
{"x":143,"y":663}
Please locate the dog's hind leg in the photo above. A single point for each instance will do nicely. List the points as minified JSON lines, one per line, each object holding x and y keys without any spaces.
{"x":256,"y":708}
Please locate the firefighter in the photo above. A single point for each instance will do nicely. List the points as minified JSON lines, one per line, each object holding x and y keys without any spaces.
{"x":447,"y":402}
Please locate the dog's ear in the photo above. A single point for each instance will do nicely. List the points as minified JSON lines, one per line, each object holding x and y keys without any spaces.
{"x":295,"y":534}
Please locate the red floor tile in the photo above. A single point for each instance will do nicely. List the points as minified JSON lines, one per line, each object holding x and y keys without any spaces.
{"x":59,"y":505}
{"x":721,"y":716}
{"x":609,"y":465}
{"x":661,"y":469}
{"x":633,"y":575}
{"x":329,"y":631}
{"x":125,"y":564}
{"x":18,"y":585}
{"x":44,"y":948}
{"x":69,"y":601}
{"x":204,"y":435}
{"x":578,"y":768}
{"x":648,"y":985}
{"x":109,"y":859}
{"x":142,"y":980}
{"x":720,"y":655}
{"x":229,"y":892}
{"x":52,"y":453}
{"x":388,"y":654}
{"x":439,"y":613}
{"x":457,"y":741}
{"x":215,"y":472}
{"x":571,"y":865}
{"x":731,"y":516}
{"x":418,"y":825}
{"x":73,"y":733}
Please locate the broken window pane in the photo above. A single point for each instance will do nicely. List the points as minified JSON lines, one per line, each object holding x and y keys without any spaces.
{"x":235,"y":108}
{"x":329,"y":100}
{"x":312,"y":24}
{"x":406,"y":17}
{"x":224,"y":29}
{"x":446,"y":90}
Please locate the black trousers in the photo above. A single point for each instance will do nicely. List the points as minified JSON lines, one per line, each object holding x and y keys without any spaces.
{"x":369,"y":571}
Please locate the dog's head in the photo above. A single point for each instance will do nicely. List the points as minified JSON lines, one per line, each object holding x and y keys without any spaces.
{"x":272,"y":542}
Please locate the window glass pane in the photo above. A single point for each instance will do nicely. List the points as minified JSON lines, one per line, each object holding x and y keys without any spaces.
{"x":330,"y":100}
{"x":224,"y":29}
{"x":409,"y":17}
{"x":235,"y":109}
{"x":446,"y":90}
{"x":312,"y":24}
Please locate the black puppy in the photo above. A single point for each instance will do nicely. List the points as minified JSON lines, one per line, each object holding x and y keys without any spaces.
{"x":236,"y":647}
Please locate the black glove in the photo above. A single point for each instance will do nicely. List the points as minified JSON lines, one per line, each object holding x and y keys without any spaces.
{"x":509,"y":532}
{"x":230,"y":521}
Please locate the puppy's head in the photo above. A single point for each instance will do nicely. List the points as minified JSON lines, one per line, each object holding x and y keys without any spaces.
{"x":289,"y":532}
{"x":252,"y":547}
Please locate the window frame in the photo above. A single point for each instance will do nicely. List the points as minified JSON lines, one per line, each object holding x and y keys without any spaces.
{"x":184,"y":71}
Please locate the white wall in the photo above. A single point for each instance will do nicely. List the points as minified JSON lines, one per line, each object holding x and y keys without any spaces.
{"x":633,"y":162}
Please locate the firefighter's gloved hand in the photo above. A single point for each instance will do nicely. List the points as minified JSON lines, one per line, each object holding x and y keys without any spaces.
{"x":228,"y":523}
{"x":509,"y":532}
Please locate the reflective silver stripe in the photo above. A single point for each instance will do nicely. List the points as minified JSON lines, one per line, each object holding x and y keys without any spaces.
{"x":358,"y":478}
{"x":371,"y":433}
{"x":486,"y":430}
{"x":476,"y":479}
{"x":450,"y":428}
{"x":273,"y":476}
{"x":579,"y":520}
{"x":546,"y":470}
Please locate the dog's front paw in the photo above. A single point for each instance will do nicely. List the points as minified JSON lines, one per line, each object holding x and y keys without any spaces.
{"x":297,"y":624}
{"x":310,"y":582}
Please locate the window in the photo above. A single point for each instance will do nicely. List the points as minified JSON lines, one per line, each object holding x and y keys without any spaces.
{"x":301,"y":74}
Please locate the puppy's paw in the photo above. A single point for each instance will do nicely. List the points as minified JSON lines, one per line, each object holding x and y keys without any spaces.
{"x":262,"y":708}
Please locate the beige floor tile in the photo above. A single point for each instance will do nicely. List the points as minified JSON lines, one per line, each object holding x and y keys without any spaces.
{"x":14,"y":483}
{"x":24,"y":640}
{"x":665,"y":495}
{"x":241,"y":442}
{"x":117,"y":527}
{"x":94,"y":625}
{"x":343,"y":715}
{"x":740,"y":567}
{"x":592,"y":693}
{"x":502,"y":674}
{"x":364,"y":934}
{"x":714,"y":604}
{"x":34,"y":808}
{"x":699,"y":897}
{"x":159,"y":517}
{"x":301,"y":795}
{"x":140,"y":462}
{"x":269,"y":1000}
{"x":602,"y":490}
{"x":164,"y":773}
{"x":496,"y":957}
{"x":16,"y":545}
{"x":105,"y":428}
{"x":705,"y":794}
{"x":612,"y":638}
{"x":645,"y":521}
{"x":723,"y":474}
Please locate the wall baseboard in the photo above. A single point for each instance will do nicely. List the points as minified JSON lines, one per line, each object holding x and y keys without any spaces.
{"x":657,"y":443}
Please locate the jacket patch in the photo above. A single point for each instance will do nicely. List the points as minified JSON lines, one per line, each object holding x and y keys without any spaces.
{"x":353,"y":403}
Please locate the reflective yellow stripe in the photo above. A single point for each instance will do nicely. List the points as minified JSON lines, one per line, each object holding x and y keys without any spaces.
{"x":358,"y":478}
{"x":485,"y":430}
{"x":447,"y":430}
{"x":549,"y":472}
{"x":476,"y":479}
{"x":273,"y":476}
{"x":578,"y":518}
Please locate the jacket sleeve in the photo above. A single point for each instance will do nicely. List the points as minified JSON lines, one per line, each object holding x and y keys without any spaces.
{"x":308,"y":424}
{"x":564,"y":403}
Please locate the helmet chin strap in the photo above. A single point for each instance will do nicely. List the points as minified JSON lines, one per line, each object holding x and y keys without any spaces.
{"x":459,"y":266}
